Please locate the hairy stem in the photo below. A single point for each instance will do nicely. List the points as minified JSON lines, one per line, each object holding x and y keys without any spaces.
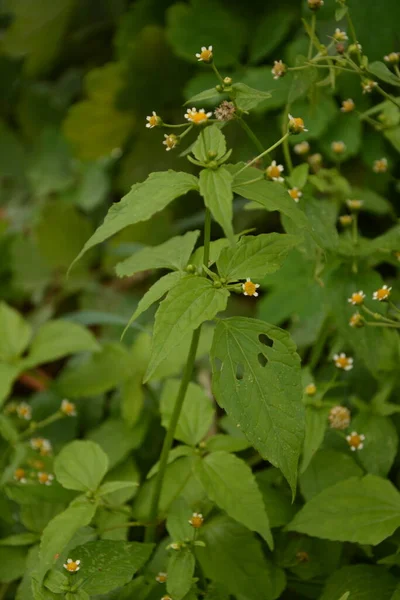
{"x":187,"y":376}
{"x":250,"y":163}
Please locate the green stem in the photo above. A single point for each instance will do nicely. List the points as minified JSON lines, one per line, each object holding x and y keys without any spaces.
{"x":174,"y":126}
{"x":397,"y":70}
{"x":251,"y":134}
{"x":214,"y":68}
{"x":394,"y":325}
{"x":34,"y":426}
{"x":187,"y":376}
{"x":378,"y":317}
{"x":3,"y":590}
{"x":310,"y":47}
{"x":392,"y":304}
{"x":278,"y":143}
{"x":387,"y":96}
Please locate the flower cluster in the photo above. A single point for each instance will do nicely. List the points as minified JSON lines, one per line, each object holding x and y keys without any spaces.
{"x":68,"y":408}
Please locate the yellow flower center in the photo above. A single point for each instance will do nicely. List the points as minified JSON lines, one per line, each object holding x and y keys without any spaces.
{"x":161,"y":577}
{"x":354,"y":440}
{"x":68,"y":408}
{"x":294,"y":193}
{"x":196,"y":522}
{"x":357,"y":298}
{"x":298,"y":123}
{"x":382,"y":294}
{"x":206,"y":55}
{"x":19,"y":474}
{"x":348,"y":105}
{"x":311,"y":389}
{"x":72,"y":566}
{"x":273,"y":171}
{"x":153,"y":120}
{"x":250,"y":288}
{"x":346,"y":219}
{"x":43,"y":477}
{"x":198,"y":117}
{"x":342,"y":362}
{"x":355,"y":320}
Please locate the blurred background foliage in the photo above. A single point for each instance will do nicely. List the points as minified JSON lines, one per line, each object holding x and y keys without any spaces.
{"x":78,"y":79}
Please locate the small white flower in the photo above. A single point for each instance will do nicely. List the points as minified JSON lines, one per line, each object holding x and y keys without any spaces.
{"x":295,"y":194}
{"x":24,"y":411}
{"x":197,"y":117}
{"x":205,"y":55}
{"x":296,"y":125}
{"x":356,"y":298}
{"x":301,"y":148}
{"x":392,"y":58}
{"x":355,"y":441}
{"x":274,"y":172}
{"x":72,"y":565}
{"x":343,"y":362}
{"x":340,"y":36}
{"x":338,"y":147}
{"x":68,"y":408}
{"x":197,"y":520}
{"x":382,"y":294}
{"x":348,"y":105}
{"x":153,"y":120}
{"x":250,"y":288}
{"x":368,"y":86}
{"x":161,"y":577}
{"x":279,"y":69}
{"x":45,"y":478}
{"x":380,"y":165}
{"x":171,"y":140}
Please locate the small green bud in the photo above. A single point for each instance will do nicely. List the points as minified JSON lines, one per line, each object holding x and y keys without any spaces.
{"x":217,"y":284}
{"x":190,"y":269}
{"x":219,"y":88}
{"x":227,"y":80}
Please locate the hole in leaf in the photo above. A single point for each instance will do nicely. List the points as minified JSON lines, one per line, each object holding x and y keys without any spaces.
{"x":239,"y":372}
{"x":262,"y":359}
{"x":217,"y":364}
{"x":264,"y":339}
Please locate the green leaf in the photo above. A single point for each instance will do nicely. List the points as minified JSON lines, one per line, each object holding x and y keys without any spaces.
{"x":81,"y":465}
{"x":299,"y":175}
{"x":114,"y":486}
{"x":327,"y":468}
{"x":175,"y":453}
{"x":173,"y":254}
{"x":210,"y":140}
{"x":381,"y":442}
{"x":216,"y":189}
{"x":101,"y":372}
{"x":56,"y":582}
{"x":20,"y":539}
{"x":157,"y":290}
{"x":15,"y":333}
{"x":316,"y":424}
{"x":360,"y":582}
{"x":191,"y":302}
{"x":255,"y":256}
{"x":246,"y":97}
{"x":109,"y":564}
{"x":302,"y":80}
{"x":340,"y":12}
{"x":51,"y":171}
{"x":227,"y":443}
{"x":361,"y":510}
{"x":234,"y":558}
{"x":196,"y":415}
{"x":277,"y":498}
{"x":60,"y":531}
{"x":269,"y":194}
{"x":230,"y":483}
{"x":215,"y":250}
{"x":8,"y":374}
{"x":210,"y":94}
{"x":12,"y":563}
{"x":260,"y":388}
{"x":380,"y":70}
{"x":142,"y":202}
{"x":346,"y":128}
{"x":56,"y":339}
{"x":180,"y":573}
{"x":117,"y":439}
{"x":270,"y":31}
{"x":7,"y":429}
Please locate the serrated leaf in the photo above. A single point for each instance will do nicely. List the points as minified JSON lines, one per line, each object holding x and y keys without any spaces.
{"x":173,"y":254}
{"x":255,"y":256}
{"x":270,"y":31}
{"x":271,"y":195}
{"x":316,"y":424}
{"x":359,"y":582}
{"x":56,"y":339}
{"x":109,"y":564}
{"x":15,"y":333}
{"x":247,"y":97}
{"x":196,"y":415}
{"x":142,"y":202}
{"x":60,"y":531}
{"x":210,"y":94}
{"x":191,"y":302}
{"x":180,"y":573}
{"x":216,"y":189}
{"x":234,"y":558}
{"x":230,"y":483}
{"x":302,"y":81}
{"x":380,"y":70}
{"x":81,"y":465}
{"x":211,"y":139}
{"x":263,"y":398}
{"x":361,"y":510}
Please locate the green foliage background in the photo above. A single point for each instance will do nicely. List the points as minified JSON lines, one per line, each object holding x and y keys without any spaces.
{"x":78,"y":78}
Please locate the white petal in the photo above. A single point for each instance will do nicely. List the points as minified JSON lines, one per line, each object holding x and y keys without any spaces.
{"x":255,"y":294}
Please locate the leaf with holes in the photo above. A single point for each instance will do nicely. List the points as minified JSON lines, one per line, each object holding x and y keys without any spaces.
{"x":256,"y":379}
{"x":255,"y":256}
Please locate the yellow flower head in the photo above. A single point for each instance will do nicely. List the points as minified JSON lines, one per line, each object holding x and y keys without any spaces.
{"x":170,"y":141}
{"x":41,"y":444}
{"x":274,"y":171}
{"x":295,"y":193}
{"x":206,"y":54}
{"x":343,"y":362}
{"x":45,"y":478}
{"x":346,"y":220}
{"x":382,"y":294}
{"x":250,"y":288}
{"x":392,"y":58}
{"x":296,"y":125}
{"x":368,"y":85}
{"x":315,"y":161}
{"x":20,"y":475}
{"x":310,"y":389}
{"x":301,"y":148}
{"x":339,"y":417}
{"x":196,"y":520}
{"x":72,"y":566}
{"x":380,"y":165}
{"x":355,"y":48}
{"x":356,"y":298}
{"x":24,"y":411}
{"x":315,"y":4}
{"x":161,"y":577}
{"x":356,"y":320}
{"x":354,"y":204}
{"x":153,"y":120}
{"x":68,"y":408}
{"x":397,"y":255}
{"x":338,"y":147}
{"x":340,"y":36}
{"x":279,"y":69}
{"x":197,"y":117}
{"x":348,"y":105}
{"x":355,"y":441}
